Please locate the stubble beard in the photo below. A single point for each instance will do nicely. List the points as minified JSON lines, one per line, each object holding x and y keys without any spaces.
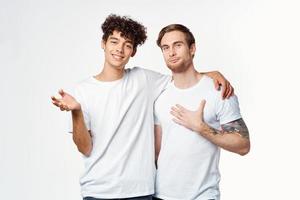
{"x":179,"y":68}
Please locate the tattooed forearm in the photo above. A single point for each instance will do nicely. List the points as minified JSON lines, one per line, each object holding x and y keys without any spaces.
{"x":209,"y":130}
{"x":237,"y":126}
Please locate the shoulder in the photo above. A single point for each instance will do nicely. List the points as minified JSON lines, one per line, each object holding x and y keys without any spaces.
{"x":133,"y":71}
{"x":84,"y":82}
{"x":149,"y":74}
{"x":207,"y":86}
{"x":207,"y":82}
{"x":83,"y":85}
{"x":149,"y":71}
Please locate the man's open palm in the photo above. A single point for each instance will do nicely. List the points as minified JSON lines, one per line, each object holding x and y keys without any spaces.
{"x":66,"y":102}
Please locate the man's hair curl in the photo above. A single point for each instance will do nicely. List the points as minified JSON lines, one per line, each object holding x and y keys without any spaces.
{"x":129,"y":29}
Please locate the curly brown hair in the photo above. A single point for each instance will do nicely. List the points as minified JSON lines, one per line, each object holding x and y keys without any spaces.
{"x":129,"y":28}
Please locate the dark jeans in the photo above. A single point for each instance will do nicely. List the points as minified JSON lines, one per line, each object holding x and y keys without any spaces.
{"x":155,"y":198}
{"x":149,"y":197}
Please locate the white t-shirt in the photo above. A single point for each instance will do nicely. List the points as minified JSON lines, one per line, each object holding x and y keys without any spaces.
{"x":119,"y":115}
{"x":188,"y":163}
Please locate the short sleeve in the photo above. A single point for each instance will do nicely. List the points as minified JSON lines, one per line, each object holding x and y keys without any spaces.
{"x":77,"y":94}
{"x":156,"y":119}
{"x":228,"y":110}
{"x":157,"y":81}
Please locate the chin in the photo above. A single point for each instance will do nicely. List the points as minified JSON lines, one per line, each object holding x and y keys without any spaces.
{"x":177,"y":69}
{"x":119,"y":65}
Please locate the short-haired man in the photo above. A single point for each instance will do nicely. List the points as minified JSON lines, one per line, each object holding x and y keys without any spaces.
{"x":112,"y":115}
{"x":189,"y":133}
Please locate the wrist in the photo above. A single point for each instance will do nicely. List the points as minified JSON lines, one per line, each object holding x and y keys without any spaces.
{"x":210,"y":73}
{"x":201,"y":127}
{"x":77,"y":110}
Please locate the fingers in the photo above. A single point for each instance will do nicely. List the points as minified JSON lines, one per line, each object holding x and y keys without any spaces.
{"x":180,"y":108}
{"x":63,"y":107}
{"x":230,"y":92}
{"x":180,"y":122}
{"x":55,"y":101}
{"x":61,"y":92}
{"x":227,"y":90}
{"x":178,"y":111}
{"x":217,"y":84}
{"x":176,"y":114}
{"x":54,"y":98}
{"x":224,"y":90}
{"x":58,"y":102}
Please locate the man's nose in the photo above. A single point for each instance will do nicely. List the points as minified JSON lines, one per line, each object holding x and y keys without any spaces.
{"x":120,"y":48}
{"x":172,"y":52}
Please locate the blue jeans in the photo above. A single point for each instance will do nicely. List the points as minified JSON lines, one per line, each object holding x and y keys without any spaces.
{"x":149,"y":197}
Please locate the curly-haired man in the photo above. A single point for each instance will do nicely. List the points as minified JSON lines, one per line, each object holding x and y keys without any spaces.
{"x":112,"y":115}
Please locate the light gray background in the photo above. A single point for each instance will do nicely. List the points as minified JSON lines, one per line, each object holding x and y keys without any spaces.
{"x":52,"y":44}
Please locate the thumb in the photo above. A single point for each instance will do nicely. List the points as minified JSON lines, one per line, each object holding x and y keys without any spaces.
{"x":201,"y":106}
{"x":61,"y":92}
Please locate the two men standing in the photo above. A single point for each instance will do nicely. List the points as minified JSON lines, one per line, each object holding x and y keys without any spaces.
{"x":112,"y":117}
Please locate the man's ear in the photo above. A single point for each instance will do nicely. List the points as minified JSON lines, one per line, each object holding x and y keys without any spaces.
{"x":193,"y":49}
{"x":103,"y":44}
{"x":133,"y":53}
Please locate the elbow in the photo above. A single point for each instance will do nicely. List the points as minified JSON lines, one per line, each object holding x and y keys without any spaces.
{"x":86,"y":152}
{"x":244,"y":150}
{"x":85,"y":149}
{"x":156,"y":156}
{"x":84,"y":146}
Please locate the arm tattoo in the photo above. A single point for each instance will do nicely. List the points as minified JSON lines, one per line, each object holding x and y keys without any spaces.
{"x":238,"y":126}
{"x":210,"y":130}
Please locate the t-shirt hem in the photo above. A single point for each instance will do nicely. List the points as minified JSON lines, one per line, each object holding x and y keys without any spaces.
{"x":113,"y":196}
{"x":172,"y":198}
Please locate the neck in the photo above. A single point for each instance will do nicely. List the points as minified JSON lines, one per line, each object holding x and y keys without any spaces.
{"x":187,"y":78}
{"x":110,"y":73}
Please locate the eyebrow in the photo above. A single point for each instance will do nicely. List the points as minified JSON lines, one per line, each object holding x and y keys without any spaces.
{"x":176,"y":42}
{"x":113,"y":38}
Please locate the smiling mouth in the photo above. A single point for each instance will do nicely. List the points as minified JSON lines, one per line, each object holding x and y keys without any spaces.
{"x":117,"y":57}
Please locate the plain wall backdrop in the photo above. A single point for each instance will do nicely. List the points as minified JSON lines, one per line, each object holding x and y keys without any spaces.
{"x":52,"y":44}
